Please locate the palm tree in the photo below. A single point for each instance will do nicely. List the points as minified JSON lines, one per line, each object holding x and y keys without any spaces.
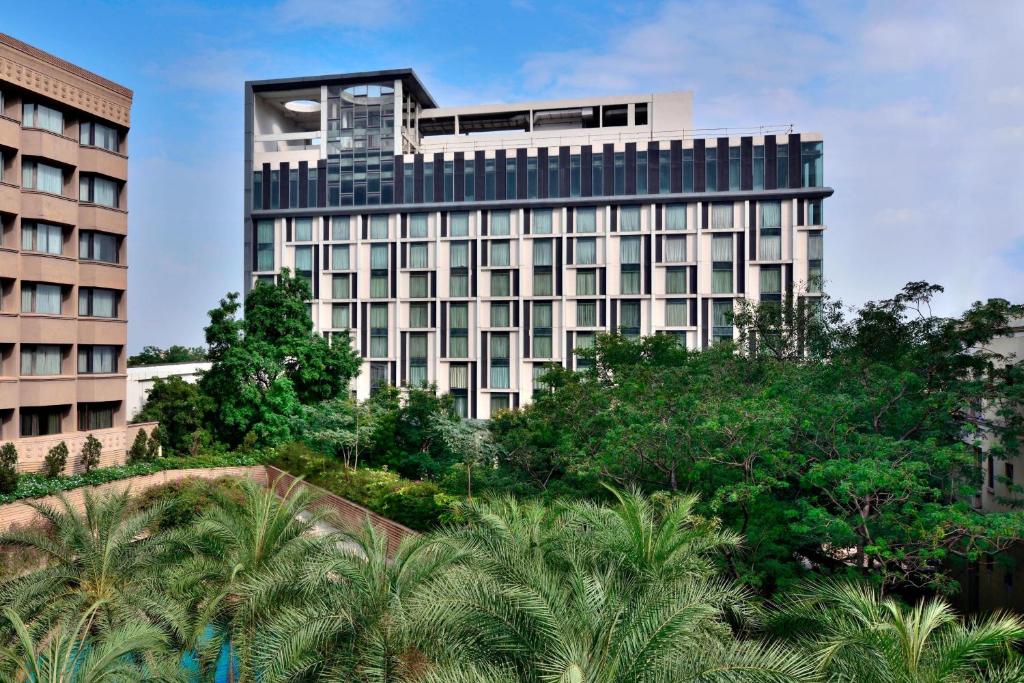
{"x":102,"y":560}
{"x":854,"y":634}
{"x":73,"y":653}
{"x":536,"y":603}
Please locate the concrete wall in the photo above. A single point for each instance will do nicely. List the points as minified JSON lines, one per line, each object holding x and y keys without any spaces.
{"x":140,"y":380}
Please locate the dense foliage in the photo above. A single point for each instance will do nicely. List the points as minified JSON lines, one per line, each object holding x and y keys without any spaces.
{"x":8,"y":468}
{"x":154,"y":355}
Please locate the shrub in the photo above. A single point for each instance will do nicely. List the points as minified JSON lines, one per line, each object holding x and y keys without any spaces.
{"x":418,"y":505}
{"x":91,"y":451}
{"x":139,"y":452}
{"x":299,"y":459}
{"x":8,"y":468}
{"x":186,"y":499}
{"x":156,"y":440}
{"x":56,"y":460}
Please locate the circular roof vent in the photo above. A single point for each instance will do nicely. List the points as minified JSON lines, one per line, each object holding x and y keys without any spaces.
{"x":303,"y":106}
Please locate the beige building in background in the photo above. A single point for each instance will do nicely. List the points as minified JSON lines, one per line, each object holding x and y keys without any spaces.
{"x":63,"y":255}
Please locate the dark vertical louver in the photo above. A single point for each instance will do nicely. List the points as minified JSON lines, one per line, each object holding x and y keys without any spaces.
{"x":265,"y":202}
{"x":499,"y":175}
{"x":563,"y":171}
{"x":417,"y":178}
{"x":525,"y":327}
{"x":676,"y":166}
{"x":741,"y":267}
{"x":542,"y":172}
{"x":285,"y":168}
{"x":698,"y":166}
{"x":520,"y":173}
{"x":438,"y":177}
{"x":460,"y":177}
{"x":771,"y":176}
{"x":647,"y":264}
{"x":478,"y":175}
{"x":746,"y":163}
{"x":705,"y":323}
{"x":794,"y":159}
{"x":399,"y":179}
{"x":303,"y":183}
{"x":723,"y":164}
{"x":586,"y":171}
{"x":630,"y":168}
{"x":608,"y":162}
{"x":653,"y":159}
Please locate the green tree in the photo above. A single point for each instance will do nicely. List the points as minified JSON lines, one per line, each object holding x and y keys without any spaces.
{"x":341,"y":427}
{"x":268,"y":364}
{"x":154,"y":355}
{"x":55,"y":461}
{"x":180,"y":407}
{"x":8,"y":468}
{"x":91,"y":451}
{"x":139,"y":451}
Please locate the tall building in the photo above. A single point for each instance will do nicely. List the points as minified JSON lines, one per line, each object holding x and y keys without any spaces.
{"x":63,"y":269}
{"x":470,"y":246}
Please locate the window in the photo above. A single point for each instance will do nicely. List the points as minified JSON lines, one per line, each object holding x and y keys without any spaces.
{"x":771,"y":283}
{"x":640,"y":114}
{"x":293,"y":188}
{"x":542,"y":262}
{"x":37,"y":297}
{"x":40,"y":359}
{"x":408,"y":184}
{"x":500,"y":252}
{"x":542,"y":330}
{"x":97,"y":246}
{"x":41,"y":421}
{"x":458,"y":384}
{"x":711,"y":169}
{"x":275,"y":189}
{"x":676,"y":313}
{"x":629,"y":219}
{"x":770,"y":243}
{"x":257,"y":189}
{"x":469,"y":182}
{"x":574,"y":175}
{"x":539,"y":370}
{"x":814,"y":212}
{"x":490,"y":180}
{"x":584,"y":342}
{"x":378,"y":330}
{"x":499,"y":360}
{"x":304,"y":264}
{"x":500,"y":314}
{"x":97,"y":303}
{"x":378,"y":285}
{"x":417,"y":359}
{"x":460,"y":225}
{"x":42,"y":177}
{"x":97,"y":190}
{"x":597,"y":174}
{"x":459,"y":254}
{"x":378,"y":377}
{"x":42,"y":237}
{"x":303,"y":229}
{"x":93,"y":416}
{"x":586,"y":313}
{"x":619,"y":173}
{"x":586,"y":282}
{"x":675,"y":249}
{"x":641,"y":172}
{"x":630,"y":316}
{"x":41,"y":116}
{"x":721,"y":264}
{"x":554,"y":188}
{"x":500,"y":223}
{"x":458,"y":284}
{"x":675,"y":217}
{"x":418,"y":227}
{"x":542,"y":223}
{"x":721,"y":320}
{"x":379,"y":256}
{"x":586,"y":251}
{"x":782,"y":165}
{"x":341,"y":287}
{"x":340,"y":316}
{"x":815,"y":247}
{"x":419,"y":285}
{"x":499,"y":402}
{"x":811,"y":164}
{"x":311,"y":188}
{"x":586,"y":220}
{"x":448,"y":181}
{"x":340,"y":228}
{"x":458,"y":331}
{"x":721,"y":216}
{"x":531,"y":178}
{"x":378,"y":227}
{"x":97,"y":360}
{"x":664,"y":171}
{"x":734,"y":168}
{"x":97,"y":134}
{"x":629,"y":258}
{"x":510,"y":178}
{"x":500,"y":283}
{"x":688,"y":170}
{"x":758,"y":167}
{"x":675,"y":281}
{"x":419,"y":315}
{"x":428,"y":181}
{"x":339,"y":257}
{"x":419,"y":255}
{"x":265,"y":245}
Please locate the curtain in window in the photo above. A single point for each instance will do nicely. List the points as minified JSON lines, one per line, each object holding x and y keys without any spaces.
{"x":542,"y":345}
{"x":340,"y":287}
{"x":584,"y":340}
{"x":417,"y":375}
{"x":303,"y":260}
{"x":675,"y":249}
{"x":458,"y":345}
{"x":676,"y":313}
{"x":102,"y":357}
{"x":629,"y":250}
{"x":771,"y":281}
{"x":629,"y":219}
{"x":379,"y":256}
{"x":500,"y":253}
{"x":103,"y":303}
{"x":542,"y":252}
{"x":586,"y":220}
{"x":675,"y":281}
{"x":499,"y":315}
{"x":378,"y":316}
{"x":770,"y":247}
{"x":771,"y":214}
{"x":539,"y":370}
{"x":721,"y":312}
{"x":303,"y":229}
{"x":54,"y":237}
{"x":418,"y":256}
{"x":104,"y":191}
{"x":265,"y":245}
{"x":48,"y":179}
{"x":499,"y":377}
{"x":418,"y":225}
{"x":418,"y":285}
{"x":721,"y":281}
{"x":500,"y":284}
{"x":379,"y":345}
{"x":721,"y":248}
{"x":458,"y":376}
{"x":499,"y":347}
{"x":379,"y":286}
{"x":339,"y":257}
{"x":542,"y":315}
{"x":586,"y":250}
{"x":630,"y":314}
{"x":815,"y":246}
{"x":586,"y":282}
{"x":459,"y":255}
{"x":339,"y":316}
{"x":458,"y":316}
{"x":340,"y":227}
{"x":721,"y":216}
{"x":500,"y":223}
{"x":460,"y":224}
{"x":419,"y":315}
{"x":40,"y":360}
{"x":675,"y":217}
{"x":378,"y":227}
{"x":542,"y":221}
{"x":630,"y":280}
{"x":458,"y":285}
{"x":542,"y":284}
{"x":417,"y":346}
{"x":586,"y":314}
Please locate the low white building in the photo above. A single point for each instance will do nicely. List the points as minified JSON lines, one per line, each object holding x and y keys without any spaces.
{"x":140,"y":380}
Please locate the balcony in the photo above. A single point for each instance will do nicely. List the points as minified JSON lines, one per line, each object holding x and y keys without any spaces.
{"x":47,"y":391}
{"x":42,"y":143}
{"x":97,"y":331}
{"x":104,"y":162}
{"x":50,"y":208}
{"x":48,"y":268}
{"x":109,"y":275}
{"x":10,"y":133}
{"x":101,"y":388}
{"x":103,"y":218}
{"x":47,"y":329}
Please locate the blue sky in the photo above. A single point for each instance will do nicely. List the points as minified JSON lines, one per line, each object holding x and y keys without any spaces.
{"x":921,"y":106}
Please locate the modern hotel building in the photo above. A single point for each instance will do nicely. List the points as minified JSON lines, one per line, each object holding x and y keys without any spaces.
{"x":470,"y":246}
{"x":63,"y":272}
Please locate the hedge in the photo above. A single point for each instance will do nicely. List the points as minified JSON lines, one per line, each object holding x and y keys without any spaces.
{"x":37,"y":485}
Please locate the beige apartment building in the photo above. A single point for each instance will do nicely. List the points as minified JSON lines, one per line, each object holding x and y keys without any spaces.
{"x":63,"y":255}
{"x":470,"y":247}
